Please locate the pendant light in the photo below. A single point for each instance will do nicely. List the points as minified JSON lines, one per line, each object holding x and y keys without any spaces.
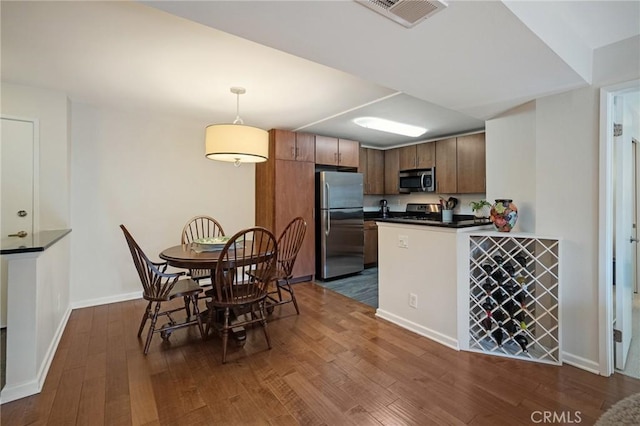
{"x":236,"y":142}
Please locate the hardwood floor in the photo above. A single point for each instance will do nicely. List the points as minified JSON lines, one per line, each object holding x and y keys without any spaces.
{"x":334,"y":364}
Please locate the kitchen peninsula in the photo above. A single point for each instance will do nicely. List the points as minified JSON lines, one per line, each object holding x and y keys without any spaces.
{"x":418,"y":270}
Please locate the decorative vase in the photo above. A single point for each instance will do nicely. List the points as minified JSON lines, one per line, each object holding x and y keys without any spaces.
{"x":504,"y":215}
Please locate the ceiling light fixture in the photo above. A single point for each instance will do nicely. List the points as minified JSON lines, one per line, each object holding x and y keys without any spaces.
{"x":236,"y":142}
{"x":390,"y":126}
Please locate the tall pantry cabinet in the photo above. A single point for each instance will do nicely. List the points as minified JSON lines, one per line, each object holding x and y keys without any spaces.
{"x":285,"y":189}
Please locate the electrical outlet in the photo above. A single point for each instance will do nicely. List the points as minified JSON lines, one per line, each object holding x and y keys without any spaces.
{"x":413,"y":300}
{"x":403,"y":241}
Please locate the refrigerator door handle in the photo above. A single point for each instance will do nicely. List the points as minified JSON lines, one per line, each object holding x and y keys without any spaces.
{"x":326,"y":232}
{"x":326,"y":196}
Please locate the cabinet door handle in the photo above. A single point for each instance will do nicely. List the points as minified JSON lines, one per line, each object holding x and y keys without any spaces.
{"x":296,"y":152}
{"x":20,"y":234}
{"x":340,"y":157}
{"x":293,"y":152}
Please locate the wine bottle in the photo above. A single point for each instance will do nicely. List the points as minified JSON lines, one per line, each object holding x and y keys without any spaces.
{"x":488,"y":287}
{"x":510,"y":307}
{"x":499,"y":316}
{"x":497,"y":336}
{"x":499,"y":295}
{"x":510,"y":327}
{"x":498,"y":259}
{"x":488,"y":305}
{"x":487,"y":268}
{"x":486,"y":322}
{"x":508,"y":268}
{"x":498,"y":275}
{"x":521,"y":259}
{"x":522,"y":340}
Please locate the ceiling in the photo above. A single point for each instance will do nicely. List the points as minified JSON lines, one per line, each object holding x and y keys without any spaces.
{"x":311,"y":65}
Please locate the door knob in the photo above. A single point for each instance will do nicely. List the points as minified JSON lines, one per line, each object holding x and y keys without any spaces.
{"x":633,"y":240}
{"x":20,"y":234}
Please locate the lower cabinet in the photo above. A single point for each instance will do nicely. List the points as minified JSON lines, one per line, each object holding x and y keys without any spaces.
{"x":370,"y":243}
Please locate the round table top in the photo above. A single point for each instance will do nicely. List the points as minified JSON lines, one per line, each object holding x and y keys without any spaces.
{"x":184,"y":256}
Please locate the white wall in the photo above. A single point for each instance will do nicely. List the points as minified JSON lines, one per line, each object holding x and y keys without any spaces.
{"x":550,"y":147}
{"x":567,"y":207}
{"x":511,"y":162}
{"x":150,"y":174}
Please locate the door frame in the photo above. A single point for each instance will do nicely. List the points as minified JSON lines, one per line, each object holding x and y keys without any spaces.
{"x":605,"y":233}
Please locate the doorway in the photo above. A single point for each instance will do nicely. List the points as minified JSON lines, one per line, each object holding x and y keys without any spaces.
{"x":619,"y":125}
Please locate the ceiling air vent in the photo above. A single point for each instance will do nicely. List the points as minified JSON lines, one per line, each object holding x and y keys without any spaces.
{"x":405,"y":12}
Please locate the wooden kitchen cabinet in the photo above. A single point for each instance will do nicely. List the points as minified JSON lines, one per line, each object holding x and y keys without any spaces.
{"x":460,"y":165}
{"x":446,"y":166}
{"x":391,"y":171}
{"x":293,"y":146}
{"x":471,"y":164}
{"x":337,"y":152}
{"x":278,"y":201}
{"x":370,"y":243}
{"x":372,"y":169}
{"x":420,"y":156}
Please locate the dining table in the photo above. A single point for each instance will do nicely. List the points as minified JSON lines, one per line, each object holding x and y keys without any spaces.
{"x":192,"y":256}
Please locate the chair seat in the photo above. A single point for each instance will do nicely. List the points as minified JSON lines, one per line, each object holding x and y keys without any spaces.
{"x":185,"y":287}
{"x":240,"y":298}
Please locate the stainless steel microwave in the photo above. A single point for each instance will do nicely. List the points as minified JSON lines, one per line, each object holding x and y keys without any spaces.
{"x":422,"y":180}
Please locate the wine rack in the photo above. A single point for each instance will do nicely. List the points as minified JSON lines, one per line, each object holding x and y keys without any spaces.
{"x":514,"y":297}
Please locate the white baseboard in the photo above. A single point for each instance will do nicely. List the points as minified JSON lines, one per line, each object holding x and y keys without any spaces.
{"x":419,"y":329}
{"x":582,"y":363}
{"x":13,"y":392}
{"x":106,"y":300}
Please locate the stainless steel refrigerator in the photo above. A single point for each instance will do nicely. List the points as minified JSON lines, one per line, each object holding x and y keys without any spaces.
{"x":340,"y":224}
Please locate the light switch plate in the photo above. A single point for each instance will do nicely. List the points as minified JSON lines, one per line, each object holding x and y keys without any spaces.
{"x":403,"y":241}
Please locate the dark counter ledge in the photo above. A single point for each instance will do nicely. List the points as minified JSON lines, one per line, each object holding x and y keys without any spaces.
{"x":40,"y":241}
{"x":456,"y":223}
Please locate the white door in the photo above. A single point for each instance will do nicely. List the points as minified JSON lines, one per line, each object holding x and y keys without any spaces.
{"x":17,"y":189}
{"x":624,"y":211}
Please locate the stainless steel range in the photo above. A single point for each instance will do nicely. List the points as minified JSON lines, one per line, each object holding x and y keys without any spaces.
{"x":423,"y":212}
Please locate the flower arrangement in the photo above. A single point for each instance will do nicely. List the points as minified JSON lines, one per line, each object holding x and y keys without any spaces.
{"x":480,"y":208}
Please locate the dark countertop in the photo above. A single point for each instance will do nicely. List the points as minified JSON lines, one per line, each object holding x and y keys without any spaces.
{"x":459,"y":221}
{"x":40,"y":241}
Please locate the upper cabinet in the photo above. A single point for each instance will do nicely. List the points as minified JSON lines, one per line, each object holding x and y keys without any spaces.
{"x":337,"y":152}
{"x":293,"y":146}
{"x":391,"y":171}
{"x":446,"y":166}
{"x":372,"y":169}
{"x":472,"y":164}
{"x":460,"y":165}
{"x":421,"y":156}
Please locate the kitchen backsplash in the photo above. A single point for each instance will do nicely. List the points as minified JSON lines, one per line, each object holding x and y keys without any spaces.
{"x":398,"y":203}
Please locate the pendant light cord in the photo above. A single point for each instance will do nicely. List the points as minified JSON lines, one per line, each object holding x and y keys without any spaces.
{"x":238,"y":120}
